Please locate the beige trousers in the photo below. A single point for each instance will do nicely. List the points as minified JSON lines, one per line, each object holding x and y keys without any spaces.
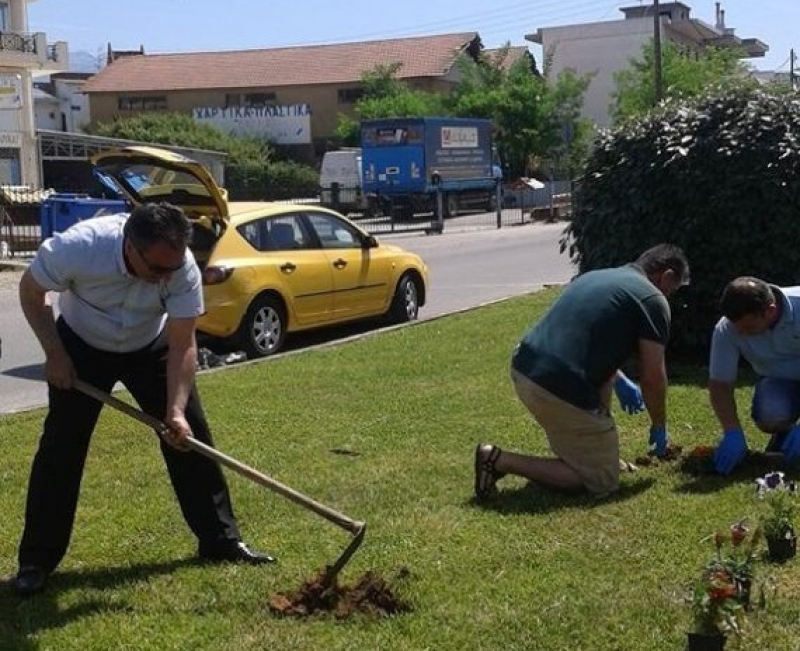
{"x":586,"y":441}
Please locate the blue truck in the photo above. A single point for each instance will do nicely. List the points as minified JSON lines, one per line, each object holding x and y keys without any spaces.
{"x":407,"y":161}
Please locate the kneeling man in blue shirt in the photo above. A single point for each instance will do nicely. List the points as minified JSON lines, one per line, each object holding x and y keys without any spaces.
{"x":761,"y":323}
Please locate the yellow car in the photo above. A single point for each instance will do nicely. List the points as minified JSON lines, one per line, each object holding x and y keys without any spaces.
{"x":268,"y":268}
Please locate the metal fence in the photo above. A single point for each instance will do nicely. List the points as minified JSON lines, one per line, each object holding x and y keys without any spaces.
{"x":21,"y":232}
{"x":20,"y":220}
{"x":515,"y":206}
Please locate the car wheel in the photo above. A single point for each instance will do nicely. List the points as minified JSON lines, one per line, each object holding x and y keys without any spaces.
{"x":263,"y":328}
{"x":405,"y":303}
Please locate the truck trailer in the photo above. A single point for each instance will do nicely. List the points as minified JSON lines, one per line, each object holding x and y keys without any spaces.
{"x":406,"y":162}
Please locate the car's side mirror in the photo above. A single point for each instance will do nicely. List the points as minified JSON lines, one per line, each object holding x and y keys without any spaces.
{"x":369,"y":242}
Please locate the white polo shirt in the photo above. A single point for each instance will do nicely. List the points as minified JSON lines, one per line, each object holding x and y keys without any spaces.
{"x":102,"y":302}
{"x":774,"y":353}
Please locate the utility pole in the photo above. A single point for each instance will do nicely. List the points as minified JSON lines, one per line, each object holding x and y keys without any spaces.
{"x":791,"y":68}
{"x":659,"y":80}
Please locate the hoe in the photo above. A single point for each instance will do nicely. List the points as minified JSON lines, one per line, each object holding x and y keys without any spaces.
{"x":357,"y":529}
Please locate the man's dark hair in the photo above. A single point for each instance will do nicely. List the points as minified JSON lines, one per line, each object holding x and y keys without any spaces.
{"x":663,"y":257}
{"x":150,"y":223}
{"x":744,"y":296}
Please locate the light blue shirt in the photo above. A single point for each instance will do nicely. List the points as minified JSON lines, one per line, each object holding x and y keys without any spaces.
{"x":106,"y":306}
{"x":774,"y":353}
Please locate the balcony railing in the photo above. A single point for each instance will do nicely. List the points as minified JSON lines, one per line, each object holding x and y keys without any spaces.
{"x":16,"y":42}
{"x":31,"y":50}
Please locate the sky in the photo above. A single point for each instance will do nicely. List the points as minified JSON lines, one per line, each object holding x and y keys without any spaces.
{"x":202,"y":25}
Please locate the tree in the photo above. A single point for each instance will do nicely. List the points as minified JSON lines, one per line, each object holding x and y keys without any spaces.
{"x":386,"y":97}
{"x":563,"y":102}
{"x":181,"y":130}
{"x":683,"y":76}
{"x":533,"y":120}
{"x":536,"y":122}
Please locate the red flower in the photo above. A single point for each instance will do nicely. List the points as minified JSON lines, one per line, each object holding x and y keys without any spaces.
{"x":738,"y":533}
{"x":702,"y":452}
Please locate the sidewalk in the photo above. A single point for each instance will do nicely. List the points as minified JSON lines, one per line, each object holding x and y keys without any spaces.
{"x":14,"y":263}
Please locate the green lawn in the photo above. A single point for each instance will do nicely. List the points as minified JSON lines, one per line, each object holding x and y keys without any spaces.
{"x":531,"y":571}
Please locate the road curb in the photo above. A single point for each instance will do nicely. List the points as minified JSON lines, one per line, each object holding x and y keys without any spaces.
{"x":14,"y":264}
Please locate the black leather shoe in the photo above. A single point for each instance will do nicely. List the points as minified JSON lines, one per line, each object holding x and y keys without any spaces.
{"x":30,"y":580}
{"x":234,"y":551}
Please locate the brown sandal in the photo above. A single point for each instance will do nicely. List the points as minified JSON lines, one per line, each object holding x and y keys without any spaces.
{"x":486,"y":475}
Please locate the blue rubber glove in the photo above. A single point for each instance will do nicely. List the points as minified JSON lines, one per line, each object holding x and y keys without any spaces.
{"x":791,"y":445}
{"x":658,"y":440}
{"x":731,"y":451}
{"x":629,"y":395}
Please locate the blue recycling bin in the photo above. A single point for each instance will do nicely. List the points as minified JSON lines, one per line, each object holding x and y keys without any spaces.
{"x":60,"y":211}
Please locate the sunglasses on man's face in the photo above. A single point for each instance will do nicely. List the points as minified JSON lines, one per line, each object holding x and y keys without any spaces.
{"x":156,"y":269}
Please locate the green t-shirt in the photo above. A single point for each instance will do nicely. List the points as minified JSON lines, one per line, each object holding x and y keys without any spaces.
{"x":589,"y":332}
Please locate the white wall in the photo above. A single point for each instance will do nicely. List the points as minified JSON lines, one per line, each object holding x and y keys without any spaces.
{"x":18,"y":10}
{"x":47,"y":114}
{"x":597,"y":48}
{"x":74,"y":104}
{"x":17,"y":125}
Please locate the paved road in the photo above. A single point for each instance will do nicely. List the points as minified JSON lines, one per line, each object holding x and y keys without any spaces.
{"x":471,"y":268}
{"x":467,"y":269}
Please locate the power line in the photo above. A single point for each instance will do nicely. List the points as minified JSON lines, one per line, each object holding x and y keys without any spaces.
{"x":510,"y":16}
{"x":784,"y":64}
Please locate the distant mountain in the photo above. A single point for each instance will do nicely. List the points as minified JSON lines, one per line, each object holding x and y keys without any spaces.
{"x":83,"y":61}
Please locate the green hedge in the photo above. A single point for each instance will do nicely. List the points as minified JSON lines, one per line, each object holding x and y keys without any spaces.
{"x":718,"y":176}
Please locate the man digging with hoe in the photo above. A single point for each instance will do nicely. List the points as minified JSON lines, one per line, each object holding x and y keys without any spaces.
{"x":130,"y":293}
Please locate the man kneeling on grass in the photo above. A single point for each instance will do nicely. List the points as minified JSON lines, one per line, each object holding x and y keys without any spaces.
{"x":760,"y":324}
{"x":564,"y":369}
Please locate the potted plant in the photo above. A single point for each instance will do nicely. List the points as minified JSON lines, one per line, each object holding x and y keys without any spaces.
{"x":777,"y":521}
{"x":716,"y":609}
{"x":722,"y":593}
{"x":736,"y":554}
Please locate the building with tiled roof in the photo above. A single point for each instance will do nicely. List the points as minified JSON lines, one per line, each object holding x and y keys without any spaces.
{"x":292,"y":95}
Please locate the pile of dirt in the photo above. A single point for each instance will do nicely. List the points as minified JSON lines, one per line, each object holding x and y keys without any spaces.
{"x":673,"y":453}
{"x":700,"y":461}
{"x":369,"y":595}
{"x":755,"y":464}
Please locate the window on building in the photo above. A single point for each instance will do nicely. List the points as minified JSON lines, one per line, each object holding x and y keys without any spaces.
{"x":156,"y":103}
{"x":249,"y":99}
{"x":10,"y":166}
{"x":5,"y":18}
{"x":350,"y":95}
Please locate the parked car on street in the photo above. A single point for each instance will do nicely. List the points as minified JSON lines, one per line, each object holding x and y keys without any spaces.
{"x":271,"y":269}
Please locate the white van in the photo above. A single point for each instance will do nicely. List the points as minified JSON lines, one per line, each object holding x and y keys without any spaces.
{"x":343,"y":167}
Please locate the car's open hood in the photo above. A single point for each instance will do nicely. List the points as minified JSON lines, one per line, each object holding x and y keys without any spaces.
{"x":151,"y":174}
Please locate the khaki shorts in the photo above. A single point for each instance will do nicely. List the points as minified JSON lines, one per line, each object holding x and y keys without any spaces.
{"x":586,"y":441}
